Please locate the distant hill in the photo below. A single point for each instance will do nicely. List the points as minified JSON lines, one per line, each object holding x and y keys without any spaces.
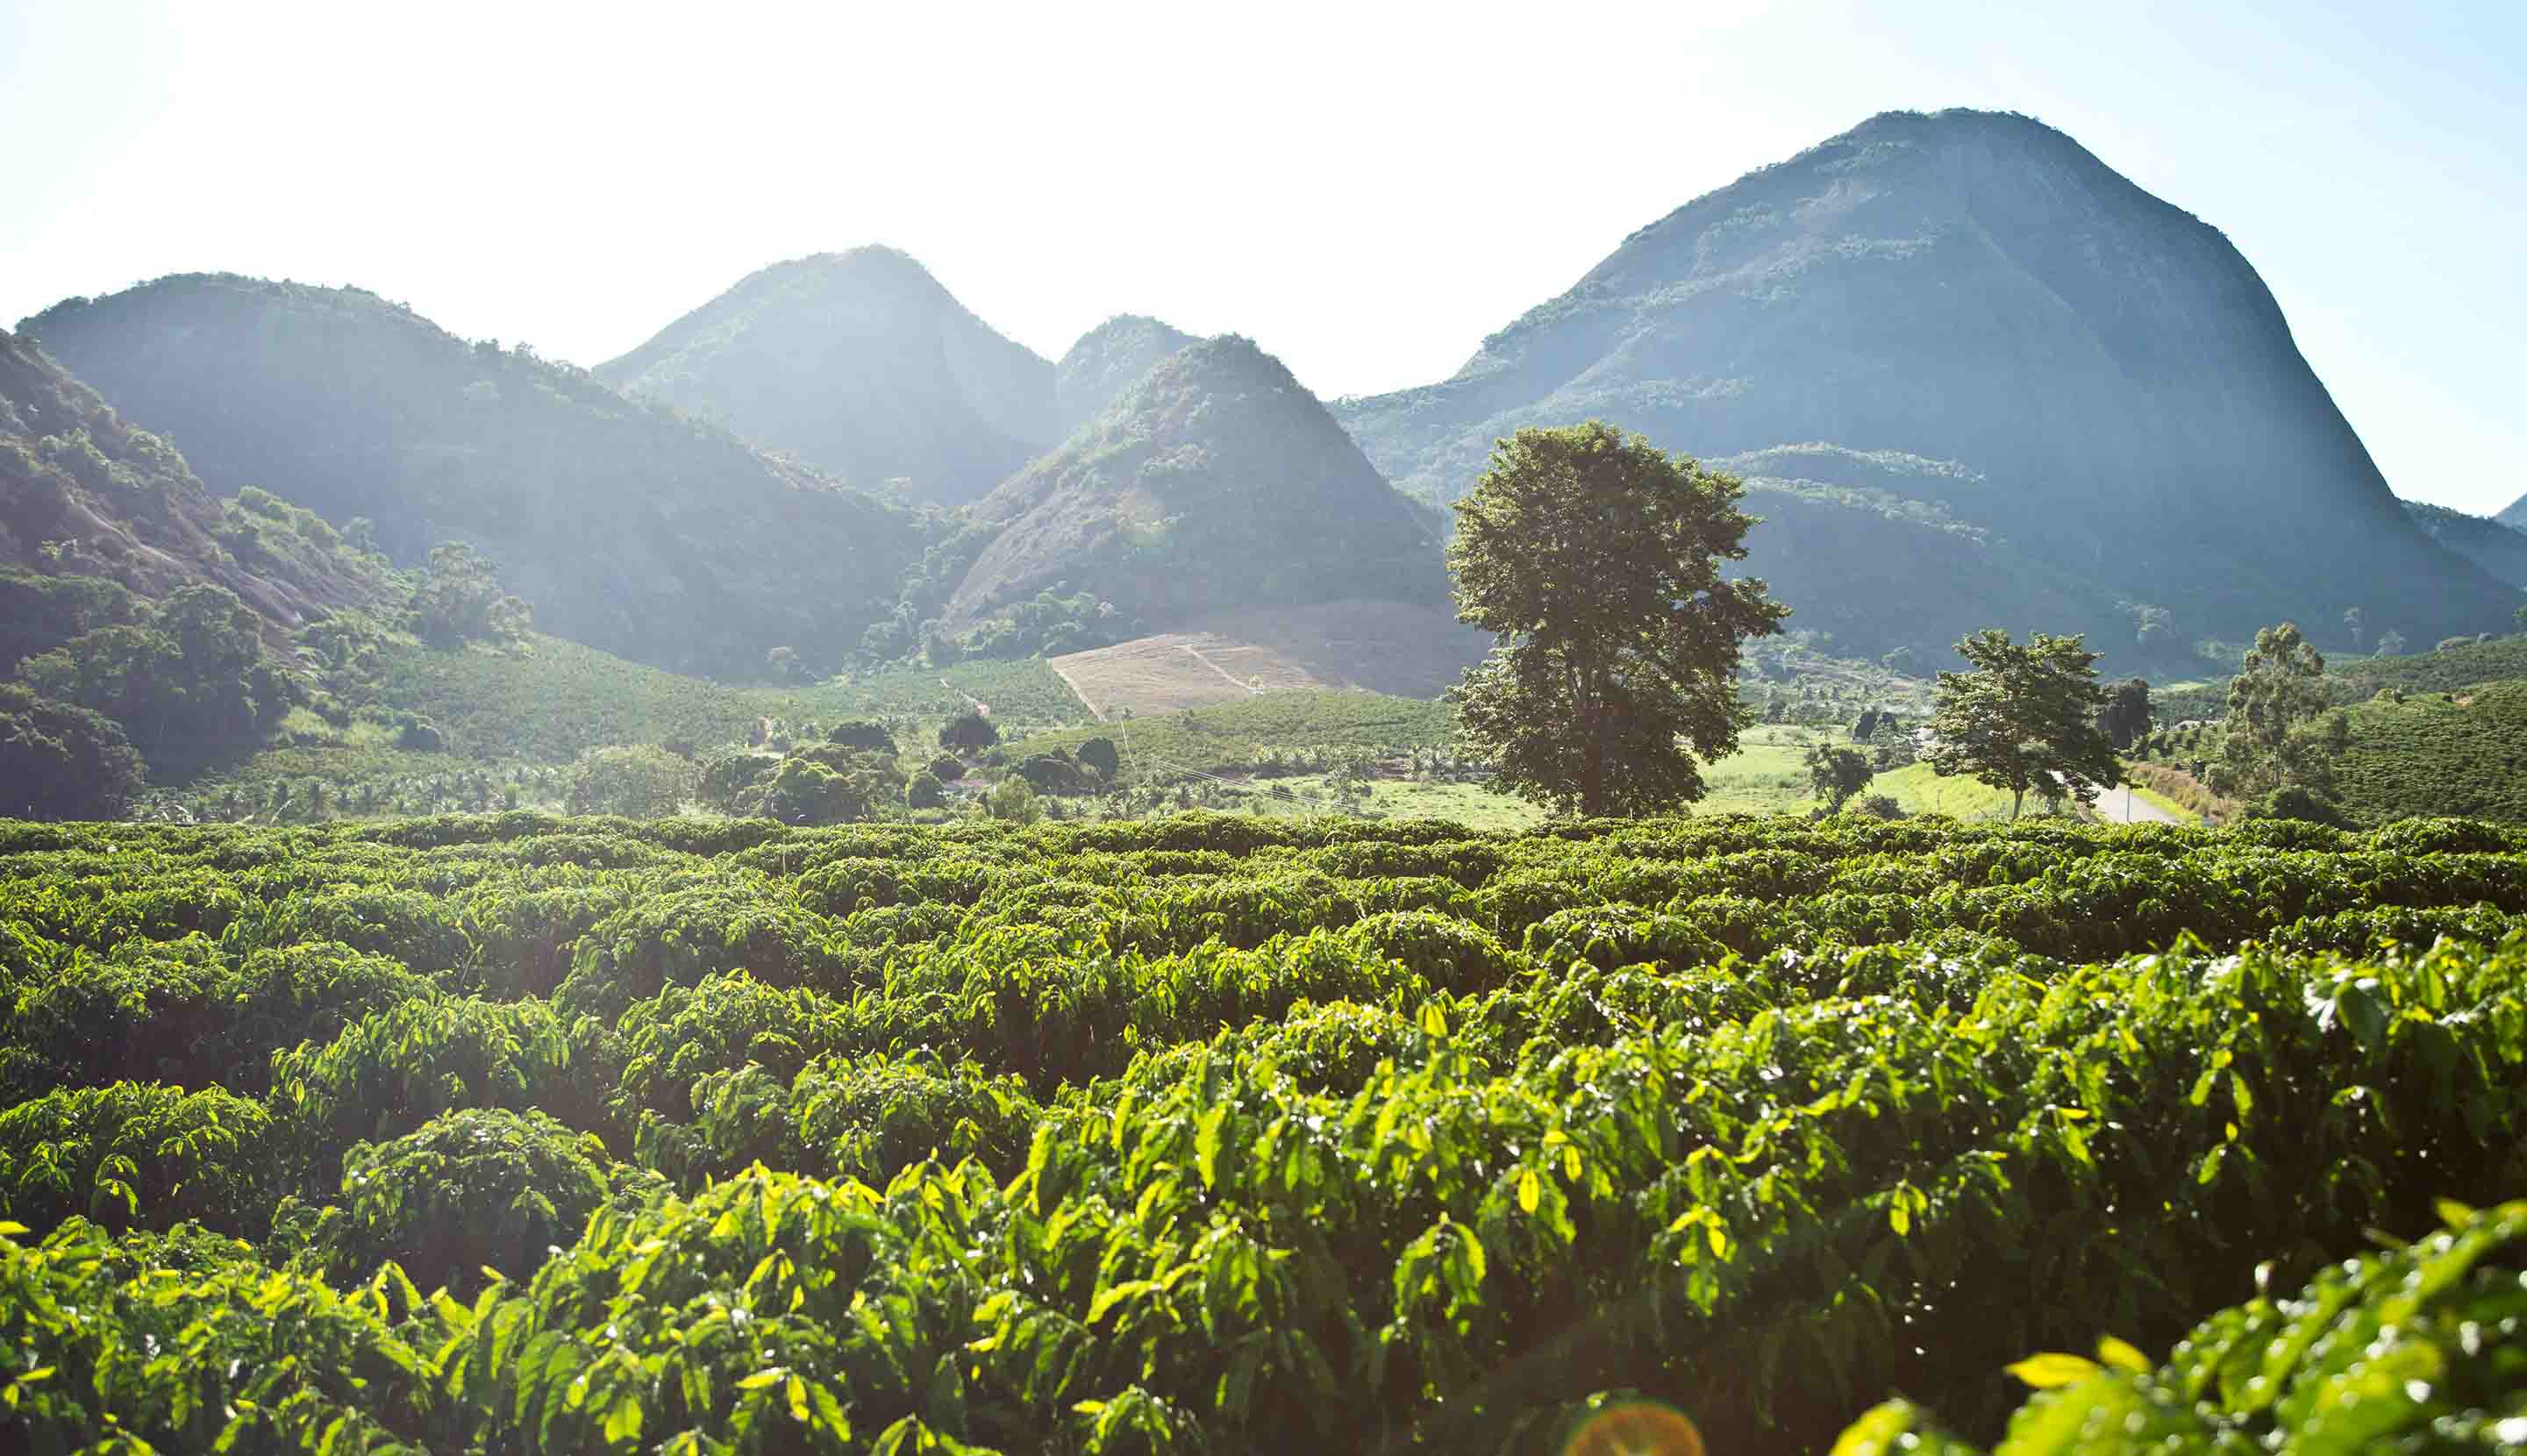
{"x":2107,"y":387}
{"x":84,"y":494}
{"x":1107,"y":360}
{"x":2500,"y":550}
{"x":860,"y":364}
{"x":2514,"y":513}
{"x":1215,"y":483}
{"x":628,"y":528}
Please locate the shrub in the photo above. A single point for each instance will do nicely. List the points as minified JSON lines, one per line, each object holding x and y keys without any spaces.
{"x":484,"y":1187}
{"x":638,"y":782}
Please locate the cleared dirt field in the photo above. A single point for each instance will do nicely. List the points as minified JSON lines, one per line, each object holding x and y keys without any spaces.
{"x":1378,"y":647}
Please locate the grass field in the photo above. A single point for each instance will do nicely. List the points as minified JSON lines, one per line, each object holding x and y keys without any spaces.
{"x":1233,"y":738}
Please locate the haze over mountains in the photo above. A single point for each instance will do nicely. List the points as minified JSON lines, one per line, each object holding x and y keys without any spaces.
{"x":82,"y":492}
{"x":861,"y":365}
{"x":656,"y":538}
{"x":2084,"y":372}
{"x":1973,"y":376}
{"x":1214,"y":482}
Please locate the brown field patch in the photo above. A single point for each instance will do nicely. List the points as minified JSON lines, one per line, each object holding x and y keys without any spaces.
{"x":1377,"y":646}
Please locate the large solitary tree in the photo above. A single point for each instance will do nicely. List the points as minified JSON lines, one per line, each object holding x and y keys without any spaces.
{"x":1596,"y":558}
{"x":2024,"y":718}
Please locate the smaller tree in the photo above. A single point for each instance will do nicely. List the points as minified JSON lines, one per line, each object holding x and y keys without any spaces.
{"x":925,"y":792}
{"x":2356,"y":622}
{"x":2024,"y":718}
{"x":2125,"y":719}
{"x":2276,"y":731}
{"x":867,"y":734}
{"x":783,"y":663}
{"x":968,"y":732}
{"x":1100,"y":753}
{"x":1013,"y":801}
{"x":638,"y":781}
{"x":2390,"y":642}
{"x":458,"y":599}
{"x":1836,"y":773}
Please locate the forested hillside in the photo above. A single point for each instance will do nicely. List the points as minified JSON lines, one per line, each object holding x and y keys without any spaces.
{"x":1109,"y":360}
{"x":1214,"y":483}
{"x":625,"y":526}
{"x":2500,"y":550}
{"x":2102,"y":381}
{"x":860,"y":364}
{"x":84,"y":495}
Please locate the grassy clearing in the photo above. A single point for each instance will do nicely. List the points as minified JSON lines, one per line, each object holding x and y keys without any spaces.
{"x":1235,"y":736}
{"x":561,"y":698}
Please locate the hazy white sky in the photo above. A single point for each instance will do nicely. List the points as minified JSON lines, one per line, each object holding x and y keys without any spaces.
{"x":1366,"y":189}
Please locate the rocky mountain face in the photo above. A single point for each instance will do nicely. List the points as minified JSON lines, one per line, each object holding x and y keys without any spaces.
{"x":861,"y":365}
{"x":84,"y":494}
{"x":656,"y":536}
{"x":1107,"y":360}
{"x":2514,"y":513}
{"x":2092,"y":382}
{"x":1214,"y":483}
{"x":2499,"y":549}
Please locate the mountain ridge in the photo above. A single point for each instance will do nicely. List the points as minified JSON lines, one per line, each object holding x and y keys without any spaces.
{"x":862,"y":364}
{"x":2119,"y":384}
{"x":629,"y":528}
{"x":1215,"y":482}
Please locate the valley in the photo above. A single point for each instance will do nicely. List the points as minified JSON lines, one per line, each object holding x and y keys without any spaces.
{"x":1878,"y":792}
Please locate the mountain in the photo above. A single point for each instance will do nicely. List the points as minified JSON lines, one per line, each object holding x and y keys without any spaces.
{"x":2514,"y":515}
{"x":2099,"y":381}
{"x":2500,"y":550}
{"x":860,"y":364}
{"x":629,"y":528}
{"x":1107,"y":360}
{"x":1214,"y":483}
{"x":85,"y":494}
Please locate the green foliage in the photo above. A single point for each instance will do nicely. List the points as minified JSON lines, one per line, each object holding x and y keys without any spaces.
{"x":1100,"y":755}
{"x":1595,"y":558}
{"x":827,"y":784}
{"x":864,"y":734}
{"x":458,"y":599}
{"x":1836,"y":773}
{"x":189,"y":688}
{"x":38,"y":613}
{"x":470,"y":1191}
{"x":2024,"y":718}
{"x":2278,"y":733}
{"x":1013,"y":801}
{"x":59,"y":762}
{"x":1263,"y":734}
{"x":134,"y":1152}
{"x":1209,"y":1132}
{"x":2434,"y":755}
{"x":968,"y":732}
{"x":925,"y":790}
{"x":638,"y":782}
{"x":2382,"y":1352}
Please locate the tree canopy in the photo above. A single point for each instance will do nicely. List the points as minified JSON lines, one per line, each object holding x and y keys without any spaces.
{"x":1596,"y":558}
{"x":2279,"y":732}
{"x":2024,"y":718}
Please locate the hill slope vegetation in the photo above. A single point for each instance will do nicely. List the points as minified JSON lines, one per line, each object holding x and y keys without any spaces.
{"x":1107,"y":360}
{"x":85,"y":496}
{"x":2109,"y":385}
{"x":2500,"y":550}
{"x":858,"y":363}
{"x":628,"y":528}
{"x":1215,"y":483}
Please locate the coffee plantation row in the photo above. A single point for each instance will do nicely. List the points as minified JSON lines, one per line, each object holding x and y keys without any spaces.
{"x":509,"y":1133}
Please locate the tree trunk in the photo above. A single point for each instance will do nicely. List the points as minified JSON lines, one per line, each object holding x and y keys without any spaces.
{"x":2017,"y":796}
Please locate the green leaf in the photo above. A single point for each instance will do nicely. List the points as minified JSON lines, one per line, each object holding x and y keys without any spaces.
{"x":2050,"y":1371}
{"x":2122,"y":1356}
{"x":1531,"y":1190}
